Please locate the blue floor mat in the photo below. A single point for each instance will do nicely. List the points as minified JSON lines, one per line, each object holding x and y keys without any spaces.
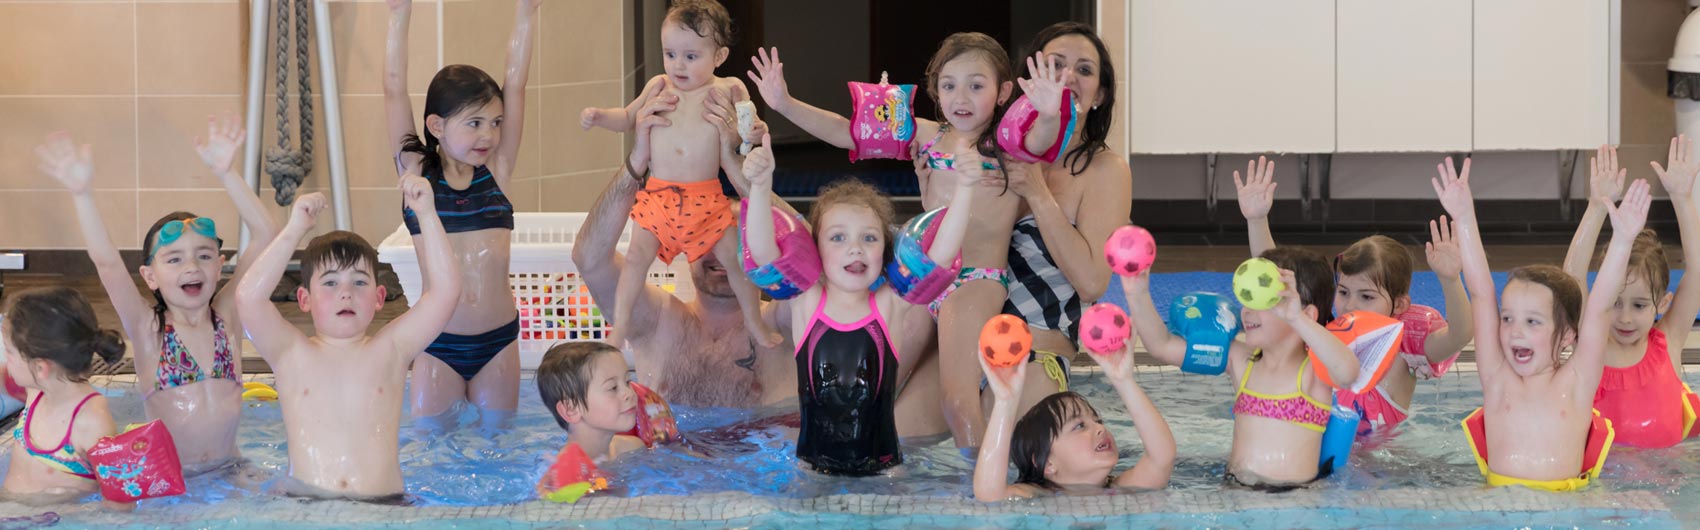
{"x":1425,"y":288}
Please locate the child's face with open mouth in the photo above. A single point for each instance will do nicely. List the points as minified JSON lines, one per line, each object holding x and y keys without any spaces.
{"x":852,"y":246}
{"x":969,"y":92}
{"x":186,"y":271}
{"x":1526,"y":328}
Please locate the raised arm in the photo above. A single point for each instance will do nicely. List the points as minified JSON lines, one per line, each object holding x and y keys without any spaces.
{"x":73,"y":167}
{"x":398,"y":105}
{"x":1078,"y":247}
{"x":1445,"y":260}
{"x":1627,"y":219}
{"x":720,"y":109}
{"x":1453,"y":188}
{"x":1257,"y":195}
{"x":411,"y":332}
{"x":1325,"y":348}
{"x":991,"y":466}
{"x":1678,"y":181}
{"x":769,"y":76}
{"x":758,"y":229}
{"x":513,"y":89}
{"x":1045,"y":91}
{"x":1158,"y":463}
{"x":954,"y":228}
{"x":1605,"y":186}
{"x":218,"y":150}
{"x":1148,"y":323}
{"x":265,"y":326}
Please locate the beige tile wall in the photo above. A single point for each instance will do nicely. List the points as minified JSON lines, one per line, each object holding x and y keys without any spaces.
{"x":1648,"y":117}
{"x":136,"y":79}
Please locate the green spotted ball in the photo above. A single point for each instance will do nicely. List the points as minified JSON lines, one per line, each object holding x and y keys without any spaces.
{"x":1257,"y":283}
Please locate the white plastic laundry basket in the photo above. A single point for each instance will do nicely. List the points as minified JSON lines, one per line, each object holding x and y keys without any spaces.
{"x":554,"y":304}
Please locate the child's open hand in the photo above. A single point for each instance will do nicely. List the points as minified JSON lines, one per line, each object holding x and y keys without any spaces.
{"x":71,"y":165}
{"x":1117,"y":365}
{"x":1605,"y":179}
{"x":758,"y":166}
{"x":769,"y":77}
{"x":1453,"y":188}
{"x":305,"y":213}
{"x":1444,"y":257}
{"x":1045,"y":89}
{"x":1290,"y":308}
{"x":1005,"y":383}
{"x":1678,"y":179}
{"x":1257,"y":190}
{"x":1629,"y":216}
{"x":218,"y":147}
{"x":417,"y":195}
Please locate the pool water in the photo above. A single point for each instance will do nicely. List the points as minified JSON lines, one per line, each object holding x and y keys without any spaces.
{"x":740,"y":472}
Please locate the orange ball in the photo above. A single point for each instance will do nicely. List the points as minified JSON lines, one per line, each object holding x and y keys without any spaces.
{"x":1005,"y":341}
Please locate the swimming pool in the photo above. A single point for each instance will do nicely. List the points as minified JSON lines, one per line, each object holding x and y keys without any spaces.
{"x":1422,"y":478}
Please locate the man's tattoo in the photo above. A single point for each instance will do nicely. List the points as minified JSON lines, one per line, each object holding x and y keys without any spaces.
{"x":748,"y":363}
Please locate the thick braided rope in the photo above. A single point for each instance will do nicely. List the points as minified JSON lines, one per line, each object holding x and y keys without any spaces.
{"x":289,"y":167}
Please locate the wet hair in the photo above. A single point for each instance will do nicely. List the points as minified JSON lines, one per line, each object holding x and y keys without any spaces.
{"x":854,"y":192}
{"x":337,"y":251}
{"x":1648,"y":260}
{"x":454,"y":89}
{"x":1566,"y":296}
{"x":1097,"y":130}
{"x":1385,"y":261}
{"x":57,"y":324}
{"x":987,"y":49}
{"x":1030,"y":441}
{"x":148,"y":244}
{"x":564,"y":374}
{"x":707,"y":18}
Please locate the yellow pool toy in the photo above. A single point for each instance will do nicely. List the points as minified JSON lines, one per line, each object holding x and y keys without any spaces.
{"x":257,"y":391}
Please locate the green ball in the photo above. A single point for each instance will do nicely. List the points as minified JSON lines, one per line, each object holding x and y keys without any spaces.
{"x":1257,"y":284}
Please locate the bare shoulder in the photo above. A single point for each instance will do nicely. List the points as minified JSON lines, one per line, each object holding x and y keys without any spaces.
{"x":93,"y":421}
{"x":1108,"y":164}
{"x":622,"y":444}
{"x":648,"y":86}
{"x":740,"y":92}
{"x":926,"y":129}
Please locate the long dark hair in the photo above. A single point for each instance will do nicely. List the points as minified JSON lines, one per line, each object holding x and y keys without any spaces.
{"x":148,"y":244}
{"x":57,"y":324}
{"x":1097,"y":130}
{"x":455,"y":88}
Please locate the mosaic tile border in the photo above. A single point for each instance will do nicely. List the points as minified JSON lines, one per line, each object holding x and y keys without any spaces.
{"x":729,"y":506}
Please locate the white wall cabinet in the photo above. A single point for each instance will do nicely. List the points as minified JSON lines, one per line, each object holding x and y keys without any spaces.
{"x":1362,"y":76}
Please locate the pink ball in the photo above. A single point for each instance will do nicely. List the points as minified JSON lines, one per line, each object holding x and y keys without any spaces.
{"x":1130,"y":250}
{"x":1104,"y":329}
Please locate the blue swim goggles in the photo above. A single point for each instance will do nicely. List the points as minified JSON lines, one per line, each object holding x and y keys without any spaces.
{"x":172,"y":231}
